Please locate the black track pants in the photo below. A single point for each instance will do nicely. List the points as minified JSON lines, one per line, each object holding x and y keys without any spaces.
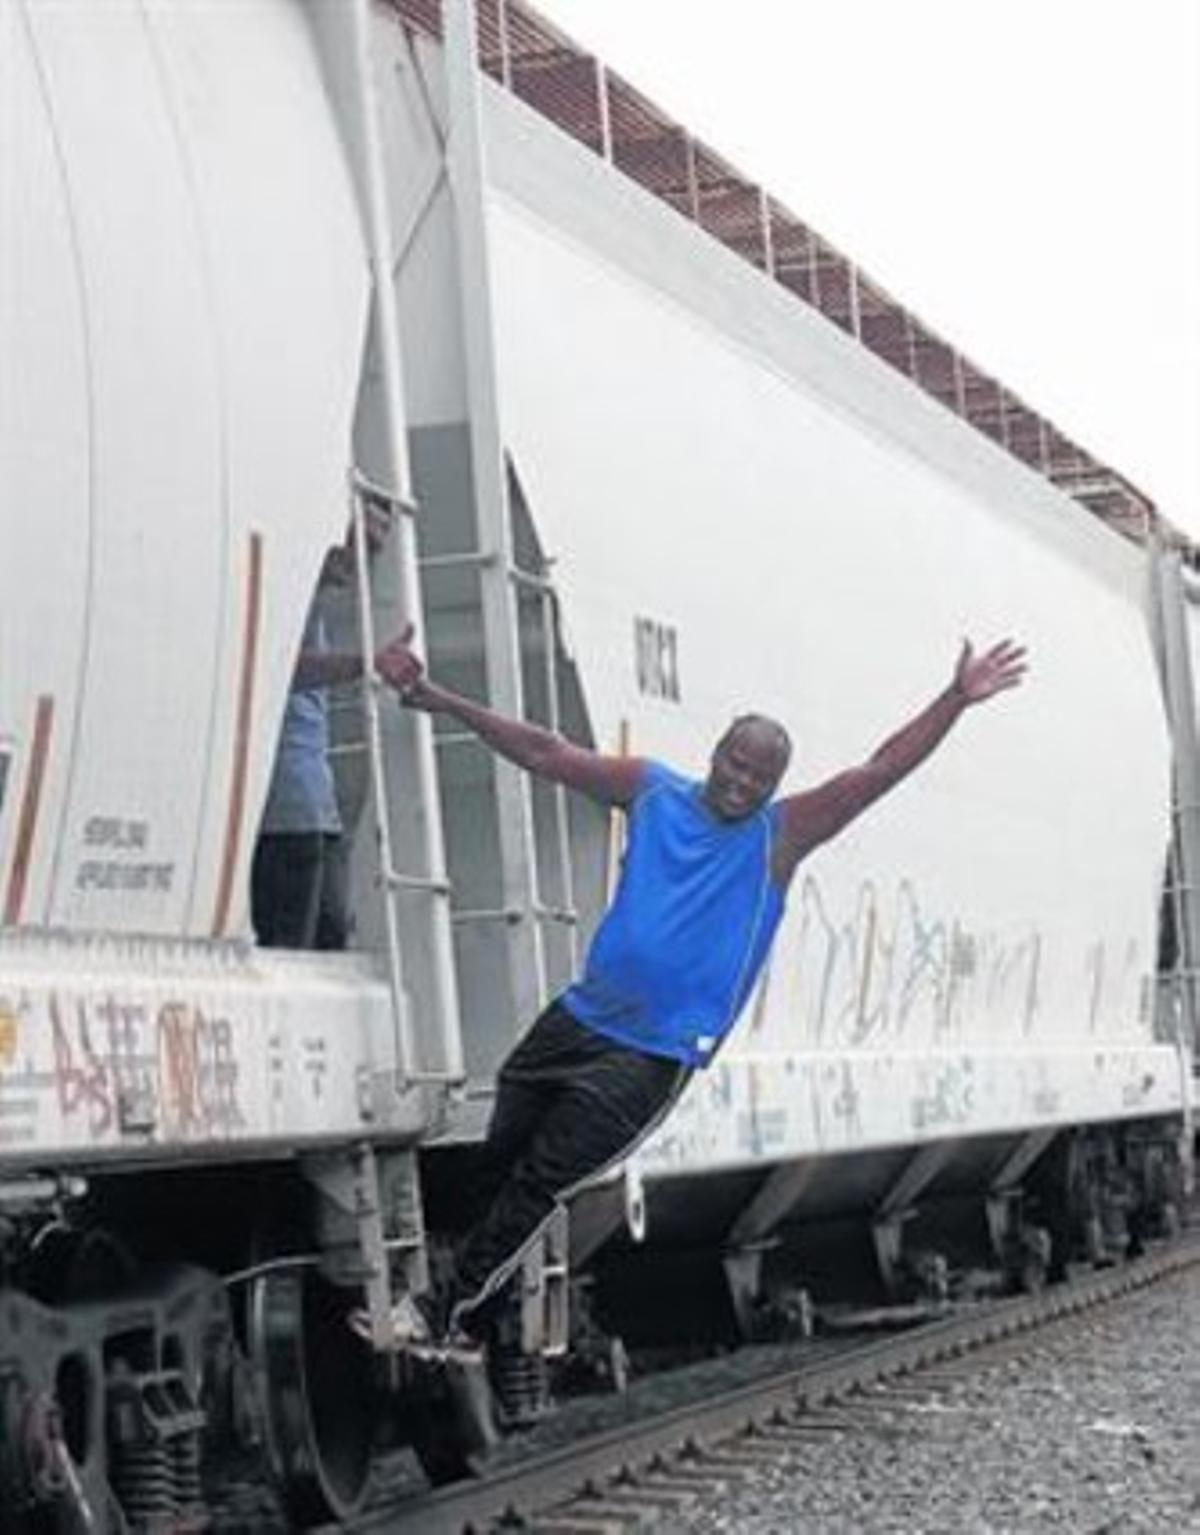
{"x":569,"y":1103}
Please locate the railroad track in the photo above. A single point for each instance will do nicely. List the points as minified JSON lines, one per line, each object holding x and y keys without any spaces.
{"x":620,"y":1477}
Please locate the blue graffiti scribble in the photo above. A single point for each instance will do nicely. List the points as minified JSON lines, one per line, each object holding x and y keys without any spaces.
{"x":867,"y":977}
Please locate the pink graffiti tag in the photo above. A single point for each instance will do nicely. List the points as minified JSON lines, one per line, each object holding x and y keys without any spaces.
{"x":118,"y":1069}
{"x":83,"y":1079}
{"x":197,"y":1072}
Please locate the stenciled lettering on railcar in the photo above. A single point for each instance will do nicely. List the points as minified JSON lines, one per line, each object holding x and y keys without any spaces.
{"x":656,"y":659}
{"x":118,"y":861}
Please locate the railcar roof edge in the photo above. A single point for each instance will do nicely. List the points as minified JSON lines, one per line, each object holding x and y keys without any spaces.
{"x":545,"y":68}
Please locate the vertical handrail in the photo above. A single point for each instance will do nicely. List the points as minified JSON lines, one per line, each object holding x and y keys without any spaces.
{"x":393,"y":957}
{"x":367,"y":148}
{"x":1168,"y":601}
{"x":502,"y":646}
{"x":562,"y":821}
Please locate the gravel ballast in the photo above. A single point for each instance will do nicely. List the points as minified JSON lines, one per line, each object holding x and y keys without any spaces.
{"x":1095,"y":1429}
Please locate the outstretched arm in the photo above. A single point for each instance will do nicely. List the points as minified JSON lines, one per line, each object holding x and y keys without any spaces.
{"x":813,"y":817}
{"x":612,"y":780}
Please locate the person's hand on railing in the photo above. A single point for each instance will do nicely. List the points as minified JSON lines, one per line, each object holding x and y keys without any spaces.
{"x":401,"y":668}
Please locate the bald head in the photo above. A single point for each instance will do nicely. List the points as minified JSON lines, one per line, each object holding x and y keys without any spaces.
{"x":761,"y":731}
{"x":747,"y":764}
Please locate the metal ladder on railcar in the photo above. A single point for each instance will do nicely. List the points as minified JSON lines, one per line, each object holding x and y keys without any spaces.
{"x":507,"y":588}
{"x":502,"y":580}
{"x":359,"y":1195}
{"x":505,"y":585}
{"x":1182,"y":885}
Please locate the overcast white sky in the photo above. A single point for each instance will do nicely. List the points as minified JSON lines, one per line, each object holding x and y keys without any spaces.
{"x":1025,"y":176}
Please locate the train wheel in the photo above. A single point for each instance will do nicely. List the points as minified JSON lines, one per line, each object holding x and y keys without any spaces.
{"x":448,"y":1420}
{"x":317,"y":1391}
{"x":70,"y":1264}
{"x":434,"y":1439}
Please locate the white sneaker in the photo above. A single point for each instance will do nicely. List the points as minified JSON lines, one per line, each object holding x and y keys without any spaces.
{"x":409,"y":1323}
{"x":409,"y":1329}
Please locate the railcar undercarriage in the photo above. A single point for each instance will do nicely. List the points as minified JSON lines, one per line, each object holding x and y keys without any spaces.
{"x":144,"y":1335}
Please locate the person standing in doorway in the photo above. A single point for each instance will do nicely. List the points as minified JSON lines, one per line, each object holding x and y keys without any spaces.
{"x":297,"y":882}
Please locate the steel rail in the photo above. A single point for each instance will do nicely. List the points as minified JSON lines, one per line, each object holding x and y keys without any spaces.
{"x":527,"y":1489}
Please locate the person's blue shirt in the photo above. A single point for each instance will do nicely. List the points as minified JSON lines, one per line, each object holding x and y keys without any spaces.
{"x":302,"y":797}
{"x":678,"y":952}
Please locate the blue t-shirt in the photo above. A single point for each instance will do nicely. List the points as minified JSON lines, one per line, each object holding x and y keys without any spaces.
{"x":679,"y":950}
{"x":302,"y":797}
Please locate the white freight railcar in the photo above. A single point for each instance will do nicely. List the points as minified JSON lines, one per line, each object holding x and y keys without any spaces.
{"x":257,"y":259}
{"x":742,"y":505}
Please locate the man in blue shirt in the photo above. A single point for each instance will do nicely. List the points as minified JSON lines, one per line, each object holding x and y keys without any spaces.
{"x":701,"y":894}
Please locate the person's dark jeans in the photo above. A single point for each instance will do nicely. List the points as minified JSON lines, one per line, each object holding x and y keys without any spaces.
{"x":569,"y":1103}
{"x":333,"y":904}
{"x":290,"y":904}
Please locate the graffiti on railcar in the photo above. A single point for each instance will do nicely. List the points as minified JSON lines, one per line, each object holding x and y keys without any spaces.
{"x":18,"y":1082}
{"x":1011,"y":978}
{"x":846,"y":1103}
{"x":761,"y":1128}
{"x":947,"y":1096}
{"x":866,"y":978}
{"x":879,"y":975}
{"x":10,"y":1034}
{"x":695,"y":1130}
{"x":1112,"y":976}
{"x":1136,"y":1092}
{"x":821,"y":954}
{"x":197,"y":1072}
{"x":87,"y":1081}
{"x":124,"y":1066}
{"x":1039,"y":1090}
